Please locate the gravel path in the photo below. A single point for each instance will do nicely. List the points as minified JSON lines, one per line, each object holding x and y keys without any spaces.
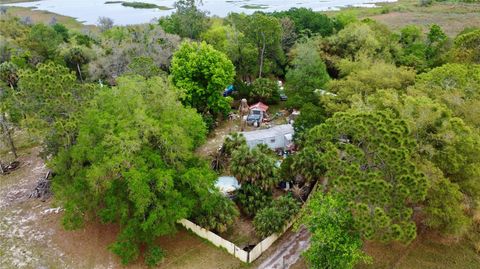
{"x":288,"y":253}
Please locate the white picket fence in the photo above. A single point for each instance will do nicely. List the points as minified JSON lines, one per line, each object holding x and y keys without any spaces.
{"x":230,"y":247}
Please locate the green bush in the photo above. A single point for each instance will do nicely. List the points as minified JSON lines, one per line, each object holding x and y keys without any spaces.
{"x":272,"y":219}
{"x":252,"y":198}
{"x":154,"y":256}
{"x":217,"y":213}
{"x":268,"y":221}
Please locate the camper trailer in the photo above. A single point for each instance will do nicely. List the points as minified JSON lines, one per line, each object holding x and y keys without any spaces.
{"x":277,"y":137}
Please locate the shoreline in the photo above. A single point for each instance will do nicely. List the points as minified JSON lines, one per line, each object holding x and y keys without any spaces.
{"x":453,"y":17}
{"x":43,"y":16}
{"x":87,"y":19}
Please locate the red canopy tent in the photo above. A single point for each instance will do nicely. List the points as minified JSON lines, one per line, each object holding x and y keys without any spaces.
{"x":259,"y":106}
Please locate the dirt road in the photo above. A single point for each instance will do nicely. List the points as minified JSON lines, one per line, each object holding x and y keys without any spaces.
{"x":288,"y":253}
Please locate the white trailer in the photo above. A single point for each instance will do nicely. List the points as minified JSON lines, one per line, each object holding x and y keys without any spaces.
{"x":276,"y":137}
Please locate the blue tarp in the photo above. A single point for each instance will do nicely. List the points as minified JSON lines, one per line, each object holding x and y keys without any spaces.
{"x":228,"y":90}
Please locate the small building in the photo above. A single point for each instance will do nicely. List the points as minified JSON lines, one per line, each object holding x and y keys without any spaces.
{"x":276,"y":137}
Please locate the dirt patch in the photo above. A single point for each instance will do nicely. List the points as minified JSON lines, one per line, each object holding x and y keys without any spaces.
{"x":194,"y":253}
{"x":217,"y":136}
{"x":242,"y":233}
{"x":23,"y":242}
{"x":87,"y":247}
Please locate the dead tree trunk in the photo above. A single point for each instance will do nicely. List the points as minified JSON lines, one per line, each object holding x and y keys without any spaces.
{"x":262,"y":55}
{"x":8,"y":135}
{"x":79,"y":72}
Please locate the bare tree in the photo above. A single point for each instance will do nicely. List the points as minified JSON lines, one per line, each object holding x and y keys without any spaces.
{"x":3,"y":10}
{"x":105,"y":23}
{"x":142,"y":41}
{"x":53,"y":20}
{"x":26,"y":20}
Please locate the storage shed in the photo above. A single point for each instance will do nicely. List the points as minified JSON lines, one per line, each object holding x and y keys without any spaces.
{"x":277,"y":137}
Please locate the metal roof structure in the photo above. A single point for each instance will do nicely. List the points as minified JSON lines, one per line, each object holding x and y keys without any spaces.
{"x":275,"y":131}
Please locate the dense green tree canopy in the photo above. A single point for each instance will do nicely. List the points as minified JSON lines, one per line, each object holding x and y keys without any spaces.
{"x":368,"y":160}
{"x":310,"y":116}
{"x":457,"y":86}
{"x":263,"y":34}
{"x":187,"y":21}
{"x":265,"y":90}
{"x":132,"y":164}
{"x":364,"y":39}
{"x":9,"y":73}
{"x":334,"y":242}
{"x":307,"y":74}
{"x":202,"y":73}
{"x":274,"y":218}
{"x":50,"y":99}
{"x":308,"y":22}
{"x":362,"y":79}
{"x":43,"y":42}
{"x":447,"y":148}
{"x":467,"y":48}
{"x":75,"y":58}
{"x":414,"y":48}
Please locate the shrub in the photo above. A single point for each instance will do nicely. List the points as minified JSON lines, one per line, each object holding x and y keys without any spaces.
{"x":268,"y":221}
{"x":217,"y":213}
{"x":272,"y":219}
{"x":154,"y":256}
{"x":252,"y":198}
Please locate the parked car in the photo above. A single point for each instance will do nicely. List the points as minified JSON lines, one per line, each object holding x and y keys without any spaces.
{"x":283,"y":96}
{"x":255,"y":116}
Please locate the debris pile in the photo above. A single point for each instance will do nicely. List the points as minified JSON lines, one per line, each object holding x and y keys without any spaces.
{"x":42,"y":190}
{"x":6,"y":169}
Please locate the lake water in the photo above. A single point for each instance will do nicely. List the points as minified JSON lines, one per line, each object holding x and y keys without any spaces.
{"x":88,"y":11}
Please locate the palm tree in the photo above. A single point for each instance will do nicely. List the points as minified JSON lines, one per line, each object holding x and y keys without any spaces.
{"x":232,"y":142}
{"x":255,"y":166}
